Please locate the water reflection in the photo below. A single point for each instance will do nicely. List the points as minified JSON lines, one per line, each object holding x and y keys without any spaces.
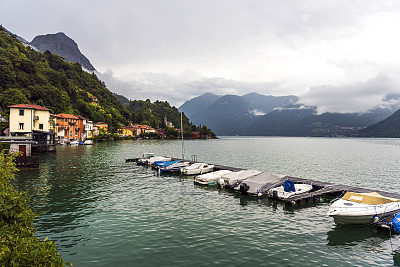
{"x":352,"y":235}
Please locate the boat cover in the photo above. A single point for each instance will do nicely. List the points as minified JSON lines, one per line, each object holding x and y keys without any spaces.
{"x":261,"y":183}
{"x":288,"y":186}
{"x":235,"y":177}
{"x":165,"y":163}
{"x":396,"y":223}
{"x":372,"y":198}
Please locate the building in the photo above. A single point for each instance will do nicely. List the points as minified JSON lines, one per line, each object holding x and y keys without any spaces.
{"x":130,"y":130}
{"x":35,"y":122}
{"x":101,"y":126}
{"x":89,"y":129}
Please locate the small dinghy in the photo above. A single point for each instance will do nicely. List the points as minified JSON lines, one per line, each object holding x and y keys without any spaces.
{"x":260,"y":184}
{"x":197,"y":168}
{"x":232,"y":179}
{"x":289,"y":189}
{"x":210,"y":178}
{"x":362,"y":208}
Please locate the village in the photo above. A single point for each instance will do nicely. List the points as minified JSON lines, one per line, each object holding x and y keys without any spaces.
{"x":33,"y":129}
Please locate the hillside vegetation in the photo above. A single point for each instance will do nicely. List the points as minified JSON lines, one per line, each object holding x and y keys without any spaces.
{"x":48,"y":80}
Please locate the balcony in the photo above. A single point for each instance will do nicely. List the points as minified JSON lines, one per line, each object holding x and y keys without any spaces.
{"x":72,"y":123}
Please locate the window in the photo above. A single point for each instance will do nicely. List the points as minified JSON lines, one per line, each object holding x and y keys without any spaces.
{"x":41,"y":126}
{"x":21,"y":112}
{"x":70,"y":133}
{"x":21,"y":125}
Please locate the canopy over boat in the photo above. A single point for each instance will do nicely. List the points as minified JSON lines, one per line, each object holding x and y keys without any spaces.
{"x":371,"y":198}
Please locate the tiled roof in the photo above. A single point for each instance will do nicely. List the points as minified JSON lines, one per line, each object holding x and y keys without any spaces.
{"x":67,"y":116}
{"x":30,"y":106}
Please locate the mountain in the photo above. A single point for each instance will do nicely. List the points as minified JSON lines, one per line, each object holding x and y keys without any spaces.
{"x":295,"y":120}
{"x":46,"y":79}
{"x":63,"y":46}
{"x":229,"y":114}
{"x":198,"y":104}
{"x":225,"y":116}
{"x":390,"y":127}
{"x":122,"y":99}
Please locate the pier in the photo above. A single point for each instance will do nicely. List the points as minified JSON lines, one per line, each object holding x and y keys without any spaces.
{"x":319,"y":189}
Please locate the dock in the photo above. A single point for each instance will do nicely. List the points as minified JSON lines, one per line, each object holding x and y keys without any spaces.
{"x":320,"y":189}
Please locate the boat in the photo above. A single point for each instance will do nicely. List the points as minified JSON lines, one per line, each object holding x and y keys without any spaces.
{"x":210,"y":178}
{"x":260,"y":184}
{"x":362,"y":208}
{"x":81,"y":143}
{"x":289,"y":189}
{"x":234,"y":178}
{"x":88,"y":142}
{"x":165,"y":163}
{"x":74,"y":143}
{"x":197,"y":168}
{"x":174,"y":168}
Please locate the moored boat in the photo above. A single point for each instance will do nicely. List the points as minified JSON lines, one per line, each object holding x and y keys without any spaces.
{"x":260,"y":184}
{"x":174,"y":168}
{"x":197,"y":168}
{"x":74,"y":143}
{"x":289,"y":189}
{"x":234,"y":178}
{"x":210,"y":178}
{"x":362,"y":208}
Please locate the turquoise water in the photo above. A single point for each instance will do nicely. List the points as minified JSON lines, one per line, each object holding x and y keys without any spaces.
{"x":102,"y":211}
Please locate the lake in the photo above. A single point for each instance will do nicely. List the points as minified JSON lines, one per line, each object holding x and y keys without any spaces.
{"x":103,"y":211}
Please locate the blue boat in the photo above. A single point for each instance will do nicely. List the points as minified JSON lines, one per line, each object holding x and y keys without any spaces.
{"x":173,"y":168}
{"x":162,"y":164}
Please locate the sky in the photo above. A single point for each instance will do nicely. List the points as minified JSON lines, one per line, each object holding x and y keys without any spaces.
{"x":338,"y":55}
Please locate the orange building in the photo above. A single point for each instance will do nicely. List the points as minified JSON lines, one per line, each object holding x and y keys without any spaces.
{"x":70,"y":127}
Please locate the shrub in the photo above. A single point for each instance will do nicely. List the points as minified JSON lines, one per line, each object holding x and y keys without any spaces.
{"x":18,"y":245}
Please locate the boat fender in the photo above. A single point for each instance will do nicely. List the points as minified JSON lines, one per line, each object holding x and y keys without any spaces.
{"x":275,"y":194}
{"x":221,"y":182}
{"x":243,"y":188}
{"x":396,"y":223}
{"x":259,"y":194}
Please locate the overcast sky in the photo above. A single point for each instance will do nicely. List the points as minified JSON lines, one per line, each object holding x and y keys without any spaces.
{"x":341,"y":55}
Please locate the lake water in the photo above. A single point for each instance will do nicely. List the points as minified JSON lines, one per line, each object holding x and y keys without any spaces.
{"x":102,"y":211}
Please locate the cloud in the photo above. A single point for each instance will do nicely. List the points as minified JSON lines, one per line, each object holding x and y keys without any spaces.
{"x":257,"y":112}
{"x":357,"y":97}
{"x":176,"y":89}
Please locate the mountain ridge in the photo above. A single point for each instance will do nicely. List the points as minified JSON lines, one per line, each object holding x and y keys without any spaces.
{"x":62,"y":45}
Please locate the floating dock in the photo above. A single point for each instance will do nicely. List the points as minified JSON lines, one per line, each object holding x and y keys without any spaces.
{"x":319,"y":189}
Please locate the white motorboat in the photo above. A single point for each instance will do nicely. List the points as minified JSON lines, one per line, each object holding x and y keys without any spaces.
{"x":74,"y":143}
{"x":234,"y":178}
{"x":289,"y":189}
{"x":88,"y":142}
{"x":197,"y":168}
{"x":362,"y":208}
{"x":260,"y":184}
{"x":210,"y":178}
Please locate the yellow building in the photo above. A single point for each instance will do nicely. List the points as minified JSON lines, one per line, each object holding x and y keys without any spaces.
{"x":26,"y":118}
{"x":101,"y":125}
{"x":128,"y":131}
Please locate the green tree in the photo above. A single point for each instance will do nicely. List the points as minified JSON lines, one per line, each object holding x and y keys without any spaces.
{"x":18,"y":245}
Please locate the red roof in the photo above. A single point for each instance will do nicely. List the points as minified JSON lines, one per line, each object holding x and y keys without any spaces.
{"x":31,"y":106}
{"x":67,"y":116}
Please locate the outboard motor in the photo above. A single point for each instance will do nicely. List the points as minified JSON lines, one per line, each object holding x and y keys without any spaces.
{"x":243,"y":188}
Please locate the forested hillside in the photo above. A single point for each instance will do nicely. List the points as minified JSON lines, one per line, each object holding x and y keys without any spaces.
{"x":46,"y":79}
{"x":28,"y":76}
